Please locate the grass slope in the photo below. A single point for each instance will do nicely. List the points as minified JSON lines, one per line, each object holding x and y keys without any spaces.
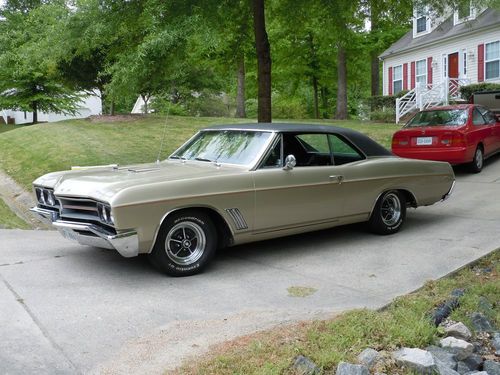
{"x":31,"y":151}
{"x":9,"y":220}
{"x":405,"y":322}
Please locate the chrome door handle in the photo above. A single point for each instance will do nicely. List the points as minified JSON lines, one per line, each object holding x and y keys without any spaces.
{"x":336,"y":178}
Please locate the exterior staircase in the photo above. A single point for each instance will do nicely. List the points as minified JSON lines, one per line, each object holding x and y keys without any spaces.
{"x":427,"y":95}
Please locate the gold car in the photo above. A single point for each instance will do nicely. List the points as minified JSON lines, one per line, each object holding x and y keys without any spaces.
{"x":235,"y":184}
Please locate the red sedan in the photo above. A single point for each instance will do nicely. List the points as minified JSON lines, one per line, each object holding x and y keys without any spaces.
{"x":458,"y":134}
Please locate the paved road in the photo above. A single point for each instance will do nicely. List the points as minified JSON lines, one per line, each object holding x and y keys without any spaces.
{"x":68,"y":309}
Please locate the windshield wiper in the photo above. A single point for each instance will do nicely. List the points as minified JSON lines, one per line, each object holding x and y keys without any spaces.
{"x":203,"y":159}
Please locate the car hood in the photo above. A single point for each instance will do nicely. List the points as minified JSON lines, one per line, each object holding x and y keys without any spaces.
{"x":103,"y":182}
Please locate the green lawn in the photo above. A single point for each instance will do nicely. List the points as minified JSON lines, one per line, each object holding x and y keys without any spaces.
{"x":9,"y":220}
{"x":6,"y":128}
{"x":30,"y":151}
{"x":405,"y":322}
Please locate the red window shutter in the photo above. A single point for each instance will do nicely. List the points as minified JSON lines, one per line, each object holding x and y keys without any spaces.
{"x":429,"y":70}
{"x":390,"y":80}
{"x":480,"y":63}
{"x":412,"y":75}
{"x":405,"y":76}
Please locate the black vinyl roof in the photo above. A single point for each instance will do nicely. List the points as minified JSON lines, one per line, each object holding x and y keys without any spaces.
{"x":363,"y":142}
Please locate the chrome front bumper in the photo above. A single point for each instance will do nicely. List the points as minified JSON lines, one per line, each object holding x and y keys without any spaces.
{"x":126,"y":243}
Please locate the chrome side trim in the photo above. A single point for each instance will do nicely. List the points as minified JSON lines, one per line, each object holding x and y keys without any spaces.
{"x":447,"y":195}
{"x":238,"y":219}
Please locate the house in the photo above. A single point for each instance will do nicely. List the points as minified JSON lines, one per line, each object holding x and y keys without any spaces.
{"x":440,"y":54}
{"x":89,"y":105}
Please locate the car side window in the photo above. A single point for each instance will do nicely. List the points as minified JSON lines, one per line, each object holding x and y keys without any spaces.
{"x":274,"y":159}
{"x":477,"y":118}
{"x":488,"y":115}
{"x":310,"y":150}
{"x":343,"y":152}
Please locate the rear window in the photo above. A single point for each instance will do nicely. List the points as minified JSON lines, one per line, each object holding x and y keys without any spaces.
{"x":450,"y":117}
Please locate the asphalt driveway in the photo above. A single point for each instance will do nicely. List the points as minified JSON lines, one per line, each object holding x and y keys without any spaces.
{"x":65,"y":308}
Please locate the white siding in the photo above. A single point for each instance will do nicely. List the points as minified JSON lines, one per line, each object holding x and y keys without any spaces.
{"x":468,"y":43}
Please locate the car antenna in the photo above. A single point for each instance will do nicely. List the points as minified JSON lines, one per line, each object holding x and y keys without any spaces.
{"x":164,"y":133}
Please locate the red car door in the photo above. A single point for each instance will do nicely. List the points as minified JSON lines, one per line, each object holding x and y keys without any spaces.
{"x":482,"y":132}
{"x":494,"y":123}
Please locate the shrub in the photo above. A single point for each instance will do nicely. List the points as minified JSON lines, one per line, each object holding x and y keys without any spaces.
{"x":468,"y":90}
{"x":383,"y":115}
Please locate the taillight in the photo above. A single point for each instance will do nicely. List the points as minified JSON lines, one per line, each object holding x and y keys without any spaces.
{"x":453,"y":140}
{"x":398,"y":141}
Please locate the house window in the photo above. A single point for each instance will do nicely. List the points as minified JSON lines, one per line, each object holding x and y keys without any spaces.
{"x":421,"y":24}
{"x":397,"y":79}
{"x":492,"y":60}
{"x":421,"y":72}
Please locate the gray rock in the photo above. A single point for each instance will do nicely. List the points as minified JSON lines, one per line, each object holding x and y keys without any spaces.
{"x":416,"y":359}
{"x":476,"y":373}
{"x":495,"y":342}
{"x":462,"y":368}
{"x":492,"y":368}
{"x":458,"y":330}
{"x":443,"y":369}
{"x":444,"y":356}
{"x":349,"y":369}
{"x":462,"y":349}
{"x":305,"y":366}
{"x":368,"y":357}
{"x":481,"y":323}
{"x":474,"y":362}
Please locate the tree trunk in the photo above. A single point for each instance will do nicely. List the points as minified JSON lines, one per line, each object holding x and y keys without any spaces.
{"x":375,"y":65}
{"x":315,"y":89}
{"x":112,"y":108}
{"x":324,"y":100}
{"x":240,"y":94}
{"x":341,"y":111}
{"x":34,"y":109}
{"x":375,"y":70}
{"x":263,"y":50}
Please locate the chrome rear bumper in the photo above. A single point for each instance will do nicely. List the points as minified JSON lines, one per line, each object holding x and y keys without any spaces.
{"x":447,"y":195}
{"x":126,"y":242}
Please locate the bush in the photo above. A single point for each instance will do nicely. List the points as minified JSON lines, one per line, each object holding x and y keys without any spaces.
{"x":383,"y":115}
{"x":163,"y":106}
{"x":469,"y":90}
{"x":288,"y":108}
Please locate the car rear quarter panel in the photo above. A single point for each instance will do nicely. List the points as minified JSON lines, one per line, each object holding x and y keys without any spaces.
{"x":365,"y":181}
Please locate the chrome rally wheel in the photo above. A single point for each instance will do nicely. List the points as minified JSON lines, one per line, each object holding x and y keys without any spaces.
{"x":389,"y":213}
{"x":186,"y":243}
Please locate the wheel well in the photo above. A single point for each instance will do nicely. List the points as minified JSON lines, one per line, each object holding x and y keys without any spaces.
{"x":224,"y":235}
{"x":480,"y":145}
{"x":409,"y":197}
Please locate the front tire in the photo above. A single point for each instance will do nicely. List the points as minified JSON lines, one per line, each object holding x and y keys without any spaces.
{"x":478,"y":161}
{"x":389,"y":213}
{"x":185,"y":244}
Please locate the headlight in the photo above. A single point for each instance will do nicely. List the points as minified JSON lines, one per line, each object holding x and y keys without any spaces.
{"x":46,"y":197}
{"x":105,"y":214}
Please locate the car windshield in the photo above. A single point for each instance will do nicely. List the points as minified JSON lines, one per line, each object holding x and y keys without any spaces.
{"x":443,"y":117}
{"x":224,"y":146}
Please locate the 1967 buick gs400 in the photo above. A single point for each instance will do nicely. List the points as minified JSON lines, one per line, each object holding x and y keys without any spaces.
{"x":234,"y":184}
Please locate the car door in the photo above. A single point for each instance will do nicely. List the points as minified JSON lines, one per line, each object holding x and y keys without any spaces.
{"x":494,"y":123}
{"x":306,"y":195}
{"x":482,"y":132}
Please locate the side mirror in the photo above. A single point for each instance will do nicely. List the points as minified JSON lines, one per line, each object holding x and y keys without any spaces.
{"x":290,"y":162}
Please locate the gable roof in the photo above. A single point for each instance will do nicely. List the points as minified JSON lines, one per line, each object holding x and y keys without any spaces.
{"x":490,"y":17}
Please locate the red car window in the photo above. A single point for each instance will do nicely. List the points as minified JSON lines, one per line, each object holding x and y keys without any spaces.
{"x":477,"y":118}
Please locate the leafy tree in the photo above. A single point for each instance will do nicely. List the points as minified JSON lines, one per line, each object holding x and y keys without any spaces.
{"x":29,"y":80}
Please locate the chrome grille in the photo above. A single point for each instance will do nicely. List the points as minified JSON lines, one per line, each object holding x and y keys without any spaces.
{"x":237,"y":217}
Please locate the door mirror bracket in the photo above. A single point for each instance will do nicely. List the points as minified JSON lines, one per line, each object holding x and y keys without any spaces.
{"x":290,"y":163}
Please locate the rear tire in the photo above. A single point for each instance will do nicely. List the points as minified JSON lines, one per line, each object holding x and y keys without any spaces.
{"x":389,"y":213}
{"x":186,"y":243}
{"x":477,"y":163}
